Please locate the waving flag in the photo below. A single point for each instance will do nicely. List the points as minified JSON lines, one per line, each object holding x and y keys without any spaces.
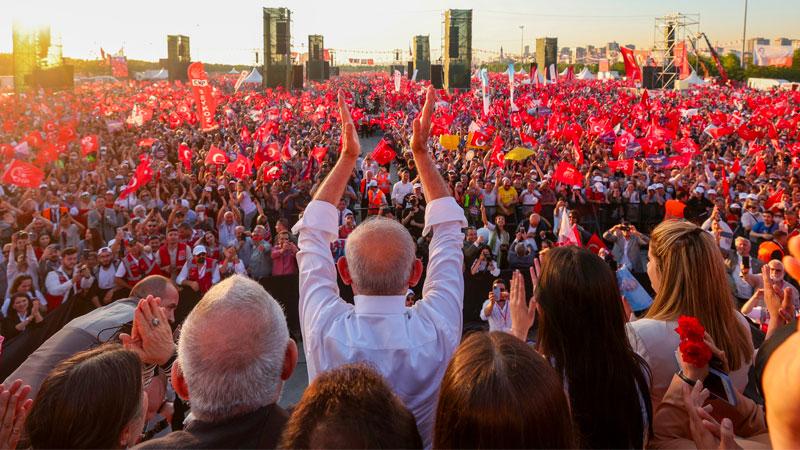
{"x":477,"y":139}
{"x":498,"y":157}
{"x":625,"y":166}
{"x":245,"y":135}
{"x":23,"y":174}
{"x":383,"y":153}
{"x":146,"y":142}
{"x":567,"y":173}
{"x":216,"y":156}
{"x":632,"y":70}
{"x":242,"y":77}
{"x":142,"y":176}
{"x":272,"y":174}
{"x":185,"y":155}
{"x":318,"y":153}
{"x":240,"y":168}
{"x":287,"y":152}
{"x":34,"y":139}
{"x":89,"y":144}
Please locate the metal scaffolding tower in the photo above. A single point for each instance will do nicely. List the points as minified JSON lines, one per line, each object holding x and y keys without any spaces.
{"x":668,"y":33}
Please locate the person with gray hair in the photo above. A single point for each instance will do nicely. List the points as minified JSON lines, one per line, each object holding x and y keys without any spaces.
{"x":234,"y":353}
{"x":410,"y":347}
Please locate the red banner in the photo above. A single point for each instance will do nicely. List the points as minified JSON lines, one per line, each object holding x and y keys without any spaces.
{"x":680,"y":59}
{"x":202,"y":96}
{"x":23,"y":174}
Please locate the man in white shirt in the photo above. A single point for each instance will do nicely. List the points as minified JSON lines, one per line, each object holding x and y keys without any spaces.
{"x":66,"y":280}
{"x":409,"y":346}
{"x":401,"y":189}
{"x":495,"y":309}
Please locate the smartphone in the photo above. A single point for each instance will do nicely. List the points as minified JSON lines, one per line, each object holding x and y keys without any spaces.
{"x":746,"y":262}
{"x":719,"y":384}
{"x":496,"y":291}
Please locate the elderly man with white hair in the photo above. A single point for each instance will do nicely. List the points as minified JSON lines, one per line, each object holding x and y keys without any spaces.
{"x":234,"y":354}
{"x":409,"y":346}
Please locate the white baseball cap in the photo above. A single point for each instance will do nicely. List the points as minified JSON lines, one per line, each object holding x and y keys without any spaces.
{"x":200,"y":249}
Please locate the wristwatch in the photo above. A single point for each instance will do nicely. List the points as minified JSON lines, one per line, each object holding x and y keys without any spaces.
{"x":686,"y":379}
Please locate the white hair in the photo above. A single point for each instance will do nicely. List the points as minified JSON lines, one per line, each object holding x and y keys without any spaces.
{"x":232,"y":349}
{"x":380,"y":255}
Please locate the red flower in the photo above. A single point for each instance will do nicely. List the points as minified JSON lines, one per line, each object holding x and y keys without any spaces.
{"x":695,"y":353}
{"x":690,"y":328}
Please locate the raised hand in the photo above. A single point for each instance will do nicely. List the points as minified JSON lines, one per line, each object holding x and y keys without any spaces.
{"x":522,"y":314}
{"x":152,"y":336}
{"x":422,"y":124}
{"x":706,"y":432}
{"x":14,"y":408}
{"x":351,"y":147}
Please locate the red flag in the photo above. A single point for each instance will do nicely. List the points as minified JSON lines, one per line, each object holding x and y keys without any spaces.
{"x":34,"y":139}
{"x":477,"y":139}
{"x":6,"y":151}
{"x":216,"y":156}
{"x":746,"y":133}
{"x":272,"y":174}
{"x":66,"y":134}
{"x":595,"y":244}
{"x":685,"y":146}
{"x":567,"y":173}
{"x":719,"y":132}
{"x":516,"y":120}
{"x":47,"y":154}
{"x":622,"y":142}
{"x":577,"y":153}
{"x":240,"y":168}
{"x":287,"y":153}
{"x":625,"y":166}
{"x":527,"y":140}
{"x":185,"y":155}
{"x":597,"y":125}
{"x":23,"y":174}
{"x":383,"y":153}
{"x":142,"y":176}
{"x":203,"y":99}
{"x":89,"y":144}
{"x":269,"y":153}
{"x":726,"y":188}
{"x":645,"y":101}
{"x":737,"y":166}
{"x":319,"y":153}
{"x":650,"y":144}
{"x":146,"y":142}
{"x":773,"y":199}
{"x":498,"y":158}
{"x":632,"y":70}
{"x":760,"y":167}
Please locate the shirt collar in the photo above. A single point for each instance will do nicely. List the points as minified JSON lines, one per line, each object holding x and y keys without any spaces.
{"x":380,"y":304}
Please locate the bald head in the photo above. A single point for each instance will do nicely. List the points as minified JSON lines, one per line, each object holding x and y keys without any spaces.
{"x":380,"y":256}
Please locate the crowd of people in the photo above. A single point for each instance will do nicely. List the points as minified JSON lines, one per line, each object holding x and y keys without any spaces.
{"x":457,"y":286}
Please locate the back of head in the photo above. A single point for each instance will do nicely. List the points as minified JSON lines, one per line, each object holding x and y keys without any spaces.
{"x":87,"y":400}
{"x":380,"y":255}
{"x":499,"y":393}
{"x":155,"y":285}
{"x":351,"y":406}
{"x":232,"y":349}
{"x":693,"y":282}
{"x":579,"y":298}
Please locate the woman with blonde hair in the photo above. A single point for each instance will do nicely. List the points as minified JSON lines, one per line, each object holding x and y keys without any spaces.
{"x":688,"y":275}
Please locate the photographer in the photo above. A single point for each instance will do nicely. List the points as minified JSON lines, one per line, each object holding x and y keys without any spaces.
{"x":495,"y":309}
{"x":413,"y":216}
{"x":68,"y":280}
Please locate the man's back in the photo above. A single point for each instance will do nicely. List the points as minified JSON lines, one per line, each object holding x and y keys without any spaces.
{"x":410,"y":347}
{"x":261,"y":428}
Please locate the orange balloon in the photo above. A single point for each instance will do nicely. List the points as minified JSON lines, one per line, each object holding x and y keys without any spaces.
{"x":766,"y":249}
{"x":792,"y":266}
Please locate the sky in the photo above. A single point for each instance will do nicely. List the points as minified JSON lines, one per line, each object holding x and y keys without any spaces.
{"x":229,"y":31}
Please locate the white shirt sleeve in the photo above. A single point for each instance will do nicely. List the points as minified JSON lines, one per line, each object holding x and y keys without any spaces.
{"x":120,"y":271}
{"x":185,"y":273}
{"x":483,"y":307}
{"x":214,"y":275}
{"x":54,"y":287}
{"x":443,"y":292}
{"x":319,"y":301}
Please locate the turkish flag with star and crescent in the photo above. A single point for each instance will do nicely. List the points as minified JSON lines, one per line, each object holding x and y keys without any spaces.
{"x":185,"y":155}
{"x":567,"y":173}
{"x":89,"y":144}
{"x":216,"y":156}
{"x":23,"y":174}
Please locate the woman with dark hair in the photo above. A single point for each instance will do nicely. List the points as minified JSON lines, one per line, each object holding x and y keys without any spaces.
{"x":351,"y":406}
{"x":498,"y":393}
{"x":92,"y":400}
{"x":582,"y":334}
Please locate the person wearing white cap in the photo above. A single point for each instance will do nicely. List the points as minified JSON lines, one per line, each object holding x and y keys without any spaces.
{"x":376,"y":199}
{"x":698,"y":206}
{"x":105,"y":274}
{"x":198,"y":275}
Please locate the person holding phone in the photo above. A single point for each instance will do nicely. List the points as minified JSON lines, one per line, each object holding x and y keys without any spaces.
{"x":495,"y":309}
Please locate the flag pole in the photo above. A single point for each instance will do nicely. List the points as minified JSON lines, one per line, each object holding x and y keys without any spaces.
{"x":744,"y":32}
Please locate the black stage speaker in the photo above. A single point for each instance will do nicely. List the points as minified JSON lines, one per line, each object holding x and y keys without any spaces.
{"x":546,"y":52}
{"x":421,"y":57}
{"x":410,"y":69}
{"x":315,"y":70}
{"x":326,"y":70}
{"x":277,"y":57}
{"x":54,"y":78}
{"x":650,"y":78}
{"x":437,"y":76}
{"x":297,"y":77}
{"x":458,"y":48}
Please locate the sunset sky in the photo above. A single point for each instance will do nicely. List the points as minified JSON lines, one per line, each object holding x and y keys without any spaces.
{"x":230,"y":31}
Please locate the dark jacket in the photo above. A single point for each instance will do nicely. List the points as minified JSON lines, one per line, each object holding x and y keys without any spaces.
{"x":261,"y":428}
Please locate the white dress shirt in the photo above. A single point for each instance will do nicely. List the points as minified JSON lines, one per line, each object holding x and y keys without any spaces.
{"x":499,"y":319}
{"x":410,"y":347}
{"x":56,"y":287}
{"x":400,"y":190}
{"x":106,"y":277}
